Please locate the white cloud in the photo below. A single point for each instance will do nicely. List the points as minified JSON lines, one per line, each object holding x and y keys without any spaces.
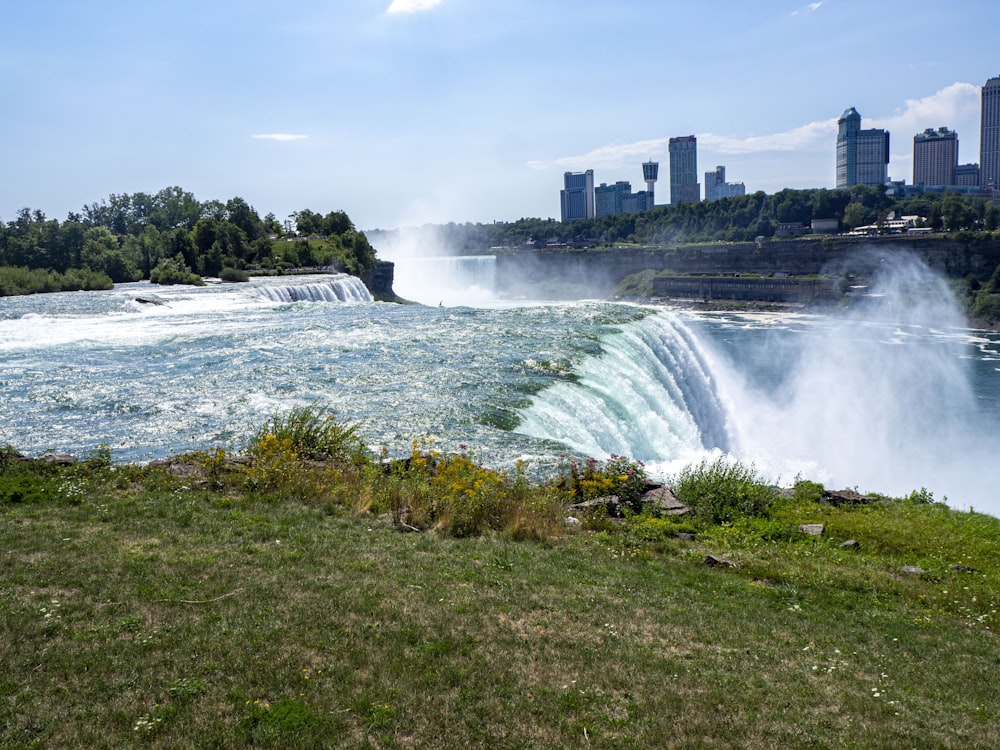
{"x":811,"y":8}
{"x":412,"y":6}
{"x":280,"y":136}
{"x":613,"y":154}
{"x":953,"y":105}
{"x":803,"y":138}
{"x":813,"y":136}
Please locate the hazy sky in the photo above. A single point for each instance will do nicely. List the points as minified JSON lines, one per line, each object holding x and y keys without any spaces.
{"x":403,"y":112}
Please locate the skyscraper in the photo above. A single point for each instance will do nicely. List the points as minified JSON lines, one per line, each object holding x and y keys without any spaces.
{"x":716,"y":186}
{"x":989,"y":134}
{"x":862,"y":155}
{"x":935,"y":157}
{"x":577,"y":196}
{"x":684,"y":185}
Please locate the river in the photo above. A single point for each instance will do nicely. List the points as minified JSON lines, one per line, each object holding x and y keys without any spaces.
{"x":893,"y":398}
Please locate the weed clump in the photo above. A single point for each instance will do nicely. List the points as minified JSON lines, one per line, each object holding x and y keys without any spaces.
{"x":454,"y":494}
{"x":619,"y":476}
{"x":723,"y":491}
{"x":311,"y":433}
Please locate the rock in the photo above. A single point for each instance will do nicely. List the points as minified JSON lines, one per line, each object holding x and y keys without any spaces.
{"x":610,"y":505}
{"x":664,"y":501}
{"x":912,"y":570}
{"x":812,"y":529}
{"x":964,"y":569}
{"x":717,"y":562}
{"x":837,"y":498}
{"x":59,"y":459}
{"x":850,"y":544}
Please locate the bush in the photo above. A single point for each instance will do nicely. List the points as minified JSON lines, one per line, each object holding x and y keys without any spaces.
{"x":619,"y":476}
{"x":454,"y":494}
{"x":808,"y":492}
{"x":233,"y":274}
{"x":310,"y":433}
{"x":174,"y":271}
{"x":723,"y":491}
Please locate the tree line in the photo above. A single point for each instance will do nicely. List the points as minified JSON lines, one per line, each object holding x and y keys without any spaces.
{"x":738,"y":219}
{"x":127,"y":237}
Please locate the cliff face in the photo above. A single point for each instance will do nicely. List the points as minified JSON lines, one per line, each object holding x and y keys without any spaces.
{"x":601,"y":270}
{"x":379,"y":279}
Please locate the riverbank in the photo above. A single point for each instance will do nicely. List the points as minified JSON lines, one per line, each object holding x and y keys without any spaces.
{"x":179,"y":606}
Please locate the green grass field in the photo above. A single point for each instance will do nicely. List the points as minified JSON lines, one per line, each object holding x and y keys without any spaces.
{"x":222,"y":609}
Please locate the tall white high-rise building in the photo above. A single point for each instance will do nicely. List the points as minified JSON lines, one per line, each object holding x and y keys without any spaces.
{"x":716,"y":186}
{"x":862,"y":155}
{"x":577,"y":196}
{"x":935,"y":157}
{"x":989,"y":134}
{"x":684,"y":185}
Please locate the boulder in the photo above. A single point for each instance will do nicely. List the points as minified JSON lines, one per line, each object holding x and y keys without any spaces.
{"x":610,"y":505}
{"x":812,"y":529}
{"x":665,"y":502}
{"x":59,"y":459}
{"x":837,"y":498}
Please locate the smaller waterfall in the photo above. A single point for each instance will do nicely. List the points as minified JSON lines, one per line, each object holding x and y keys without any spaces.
{"x":339,"y":288}
{"x":650,"y":395}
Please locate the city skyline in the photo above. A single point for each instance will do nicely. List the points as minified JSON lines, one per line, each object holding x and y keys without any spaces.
{"x":404,"y":112}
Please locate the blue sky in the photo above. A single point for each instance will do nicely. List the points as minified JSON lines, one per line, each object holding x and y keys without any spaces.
{"x":403,"y":112}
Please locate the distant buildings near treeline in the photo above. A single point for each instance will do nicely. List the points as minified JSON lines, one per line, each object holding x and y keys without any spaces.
{"x":862,"y":159}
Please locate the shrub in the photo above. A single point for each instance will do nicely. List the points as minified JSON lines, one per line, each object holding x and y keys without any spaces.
{"x":619,"y":476}
{"x":233,"y":274}
{"x":174,"y":271}
{"x":454,"y":494}
{"x":311,"y":433}
{"x":808,"y":492}
{"x":721,"y":491}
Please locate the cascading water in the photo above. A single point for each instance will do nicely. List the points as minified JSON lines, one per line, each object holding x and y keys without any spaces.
{"x":882,"y":399}
{"x":339,"y":288}
{"x":650,"y":395}
{"x":446,"y":280}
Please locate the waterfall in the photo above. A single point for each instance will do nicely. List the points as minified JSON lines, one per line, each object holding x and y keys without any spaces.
{"x":449,"y":280}
{"x":338,"y":288}
{"x":649,"y":395}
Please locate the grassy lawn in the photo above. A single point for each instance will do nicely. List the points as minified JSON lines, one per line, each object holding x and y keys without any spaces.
{"x":140,"y":608}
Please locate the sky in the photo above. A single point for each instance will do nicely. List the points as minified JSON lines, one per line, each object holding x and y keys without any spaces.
{"x":406,"y":112}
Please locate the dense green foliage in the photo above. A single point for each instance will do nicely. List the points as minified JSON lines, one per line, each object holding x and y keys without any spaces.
{"x":738,"y":219}
{"x":20,"y":280}
{"x":986,"y":297}
{"x":174,"y":271}
{"x":722,"y":491}
{"x":127,"y":236}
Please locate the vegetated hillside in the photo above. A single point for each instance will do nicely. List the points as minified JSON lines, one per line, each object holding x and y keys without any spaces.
{"x":126,"y":237}
{"x":308,"y":595}
{"x":738,"y":219}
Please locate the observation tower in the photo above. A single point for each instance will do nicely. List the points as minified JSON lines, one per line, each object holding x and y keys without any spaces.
{"x":650,"y":171}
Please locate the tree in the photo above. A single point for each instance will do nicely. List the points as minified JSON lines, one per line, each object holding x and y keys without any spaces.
{"x":242,"y":215}
{"x":856,"y":215}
